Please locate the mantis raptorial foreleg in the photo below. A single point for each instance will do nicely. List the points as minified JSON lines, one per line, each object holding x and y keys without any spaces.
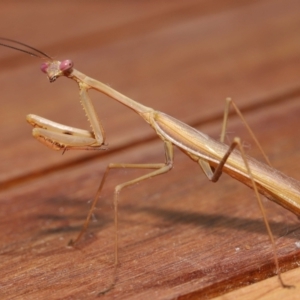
{"x":58,"y":136}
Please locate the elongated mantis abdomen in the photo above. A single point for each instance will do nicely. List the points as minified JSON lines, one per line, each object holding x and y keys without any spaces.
{"x":273,"y":184}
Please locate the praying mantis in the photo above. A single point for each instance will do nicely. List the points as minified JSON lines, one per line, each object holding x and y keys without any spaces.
{"x":213,"y":157}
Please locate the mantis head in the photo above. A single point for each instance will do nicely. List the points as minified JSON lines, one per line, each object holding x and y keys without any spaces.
{"x":55,"y":68}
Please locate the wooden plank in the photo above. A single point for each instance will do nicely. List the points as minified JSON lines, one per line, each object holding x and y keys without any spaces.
{"x":208,"y":52}
{"x":267,"y":289}
{"x":180,"y":236}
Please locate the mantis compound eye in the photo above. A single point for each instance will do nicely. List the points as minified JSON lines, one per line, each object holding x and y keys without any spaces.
{"x":66,"y":65}
{"x":44,"y":67}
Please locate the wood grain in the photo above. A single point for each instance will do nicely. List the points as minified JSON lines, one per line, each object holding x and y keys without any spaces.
{"x":181,"y":237}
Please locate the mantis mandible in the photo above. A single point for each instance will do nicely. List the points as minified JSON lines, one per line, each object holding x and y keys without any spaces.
{"x":213,"y":157}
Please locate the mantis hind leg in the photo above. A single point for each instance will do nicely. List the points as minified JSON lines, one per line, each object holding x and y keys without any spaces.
{"x":214,"y":174}
{"x":229,"y":102}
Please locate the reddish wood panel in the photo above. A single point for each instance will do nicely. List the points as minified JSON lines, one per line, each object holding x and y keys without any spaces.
{"x":180,"y":235}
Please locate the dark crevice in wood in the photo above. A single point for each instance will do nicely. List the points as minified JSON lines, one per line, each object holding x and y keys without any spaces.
{"x":242,"y":279}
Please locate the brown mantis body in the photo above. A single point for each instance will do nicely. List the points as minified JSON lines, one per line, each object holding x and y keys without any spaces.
{"x":214,"y":157}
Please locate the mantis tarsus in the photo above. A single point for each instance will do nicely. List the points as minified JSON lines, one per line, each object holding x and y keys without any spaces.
{"x":213,"y":157}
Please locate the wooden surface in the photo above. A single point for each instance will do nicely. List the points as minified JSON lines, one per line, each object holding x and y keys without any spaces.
{"x":181,"y":237}
{"x":267,"y":289}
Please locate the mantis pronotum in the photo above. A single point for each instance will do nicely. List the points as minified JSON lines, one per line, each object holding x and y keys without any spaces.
{"x":213,"y":157}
